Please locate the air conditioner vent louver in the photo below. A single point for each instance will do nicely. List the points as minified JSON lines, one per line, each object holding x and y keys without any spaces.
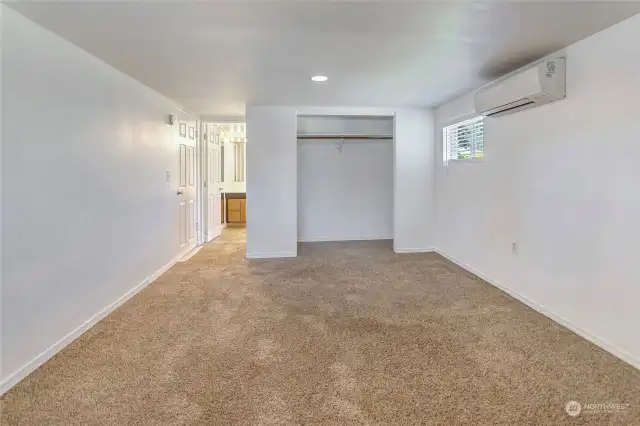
{"x":510,"y":108}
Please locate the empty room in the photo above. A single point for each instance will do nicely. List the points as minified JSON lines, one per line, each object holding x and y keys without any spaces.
{"x":319,"y":212}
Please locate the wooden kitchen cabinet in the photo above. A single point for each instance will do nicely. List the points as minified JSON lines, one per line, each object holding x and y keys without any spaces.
{"x":236,"y":210}
{"x":234,"y":204}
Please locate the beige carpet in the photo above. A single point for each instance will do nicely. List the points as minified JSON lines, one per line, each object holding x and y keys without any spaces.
{"x":347,"y":333}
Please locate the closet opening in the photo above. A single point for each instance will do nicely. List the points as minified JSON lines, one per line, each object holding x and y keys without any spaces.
{"x":345,"y":177}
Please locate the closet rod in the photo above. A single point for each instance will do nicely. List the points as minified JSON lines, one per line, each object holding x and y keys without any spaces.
{"x":343,"y":137}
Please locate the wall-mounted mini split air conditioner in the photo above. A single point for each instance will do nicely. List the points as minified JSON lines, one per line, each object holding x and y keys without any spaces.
{"x":541,"y":84}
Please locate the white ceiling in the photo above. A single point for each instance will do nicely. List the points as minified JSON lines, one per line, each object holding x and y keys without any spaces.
{"x":214,"y":57}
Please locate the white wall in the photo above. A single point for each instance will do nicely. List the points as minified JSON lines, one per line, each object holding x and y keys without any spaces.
{"x":345,"y":125}
{"x":2,"y":11}
{"x":272,"y":177}
{"x":561,"y":180}
{"x":87,"y":212}
{"x":271,"y":182}
{"x":414,"y":182}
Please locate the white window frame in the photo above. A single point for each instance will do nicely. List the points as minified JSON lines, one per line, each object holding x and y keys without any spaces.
{"x":454,"y":126}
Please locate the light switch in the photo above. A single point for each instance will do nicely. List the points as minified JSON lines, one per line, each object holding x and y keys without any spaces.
{"x":168,"y":174}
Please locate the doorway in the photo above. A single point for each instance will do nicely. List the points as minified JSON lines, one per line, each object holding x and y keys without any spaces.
{"x":225,"y":177}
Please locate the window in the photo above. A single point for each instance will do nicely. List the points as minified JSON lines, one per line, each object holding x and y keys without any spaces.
{"x":464,"y":140}
{"x":239,"y":158}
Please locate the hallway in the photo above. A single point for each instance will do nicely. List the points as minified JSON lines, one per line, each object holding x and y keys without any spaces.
{"x":346,"y":333}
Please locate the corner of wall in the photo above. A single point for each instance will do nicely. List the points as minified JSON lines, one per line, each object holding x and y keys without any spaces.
{"x":271,"y":181}
{"x":413,"y":180}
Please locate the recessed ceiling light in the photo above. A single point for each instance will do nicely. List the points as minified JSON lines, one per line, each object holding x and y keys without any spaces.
{"x":319,"y":78}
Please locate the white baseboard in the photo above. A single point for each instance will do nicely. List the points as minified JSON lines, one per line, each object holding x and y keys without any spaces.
{"x":414,"y":250}
{"x":39,"y":360}
{"x":190,"y":254}
{"x":329,"y":239}
{"x":607,"y":346}
{"x":270,"y":255}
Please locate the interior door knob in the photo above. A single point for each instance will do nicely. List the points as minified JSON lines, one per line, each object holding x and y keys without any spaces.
{"x":180,"y":192}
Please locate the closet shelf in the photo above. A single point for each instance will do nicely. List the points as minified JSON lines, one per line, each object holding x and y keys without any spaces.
{"x":345,"y":137}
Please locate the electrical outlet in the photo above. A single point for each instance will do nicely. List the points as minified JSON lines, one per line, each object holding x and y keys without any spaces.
{"x":514,"y":247}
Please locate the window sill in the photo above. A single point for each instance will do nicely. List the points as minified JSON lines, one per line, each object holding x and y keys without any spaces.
{"x":466,"y":161}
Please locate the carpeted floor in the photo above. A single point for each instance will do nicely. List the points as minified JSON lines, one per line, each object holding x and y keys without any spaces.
{"x":344,"y":334}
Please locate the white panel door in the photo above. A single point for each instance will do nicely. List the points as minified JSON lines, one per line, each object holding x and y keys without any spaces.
{"x":214,"y":184}
{"x":187,"y":190}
